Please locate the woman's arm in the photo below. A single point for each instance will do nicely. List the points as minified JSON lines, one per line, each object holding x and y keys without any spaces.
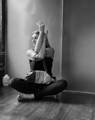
{"x":40,"y":39}
{"x":39,"y":42}
{"x":39,"y":48}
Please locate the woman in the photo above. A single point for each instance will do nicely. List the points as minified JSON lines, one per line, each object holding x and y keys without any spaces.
{"x":39,"y":82}
{"x":42,"y":54}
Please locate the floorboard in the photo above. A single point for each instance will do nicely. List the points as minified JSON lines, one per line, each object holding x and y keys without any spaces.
{"x":66,"y":106}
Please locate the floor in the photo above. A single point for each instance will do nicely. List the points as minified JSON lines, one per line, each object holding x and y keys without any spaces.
{"x":66,"y":106}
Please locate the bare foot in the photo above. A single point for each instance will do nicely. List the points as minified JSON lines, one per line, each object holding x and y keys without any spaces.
{"x":6,"y":80}
{"x":25,"y":97}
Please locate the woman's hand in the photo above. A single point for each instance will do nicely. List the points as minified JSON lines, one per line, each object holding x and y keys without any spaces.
{"x":42,"y":28}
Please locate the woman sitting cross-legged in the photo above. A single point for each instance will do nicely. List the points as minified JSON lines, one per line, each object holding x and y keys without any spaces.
{"x":37,"y":83}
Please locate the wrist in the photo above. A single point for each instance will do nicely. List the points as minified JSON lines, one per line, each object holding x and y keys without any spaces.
{"x":36,"y":52}
{"x":41,"y":32}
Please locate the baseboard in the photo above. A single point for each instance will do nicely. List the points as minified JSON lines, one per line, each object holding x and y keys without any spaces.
{"x":81,"y":92}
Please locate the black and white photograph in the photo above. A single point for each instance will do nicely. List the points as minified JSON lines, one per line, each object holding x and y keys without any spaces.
{"x":47,"y":60}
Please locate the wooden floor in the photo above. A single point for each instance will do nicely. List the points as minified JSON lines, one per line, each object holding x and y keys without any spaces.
{"x":67,"y":106}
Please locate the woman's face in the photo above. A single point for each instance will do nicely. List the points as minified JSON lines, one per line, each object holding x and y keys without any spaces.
{"x":34,"y":38}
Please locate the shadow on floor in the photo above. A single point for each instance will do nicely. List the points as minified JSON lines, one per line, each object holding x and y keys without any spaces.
{"x":76,"y":98}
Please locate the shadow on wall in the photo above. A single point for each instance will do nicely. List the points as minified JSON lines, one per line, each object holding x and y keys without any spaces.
{"x":78,"y":44}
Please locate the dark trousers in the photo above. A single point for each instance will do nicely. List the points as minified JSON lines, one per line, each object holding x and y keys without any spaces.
{"x":39,"y":90}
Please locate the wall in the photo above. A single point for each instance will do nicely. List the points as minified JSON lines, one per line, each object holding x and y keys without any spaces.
{"x":22,"y":16}
{"x":17,"y":42}
{"x":0,"y":25}
{"x":79,"y":44}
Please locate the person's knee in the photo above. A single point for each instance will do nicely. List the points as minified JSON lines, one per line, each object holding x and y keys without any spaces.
{"x":63,"y":84}
{"x":15,"y":82}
